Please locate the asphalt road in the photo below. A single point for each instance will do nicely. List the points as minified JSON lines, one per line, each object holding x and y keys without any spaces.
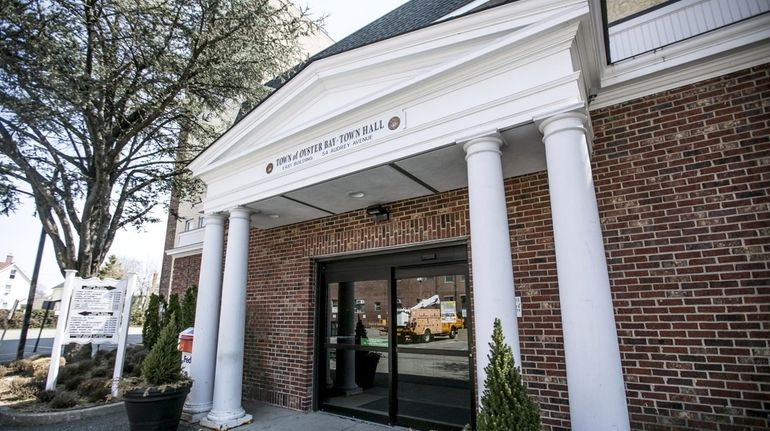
{"x":11,"y":343}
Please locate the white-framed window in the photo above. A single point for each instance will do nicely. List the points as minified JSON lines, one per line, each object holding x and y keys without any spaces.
{"x":13,"y":274}
{"x":449,"y":279}
{"x":360,"y":305}
{"x":188,"y":225}
{"x":201,"y":221}
{"x":7,"y":289}
{"x":377,"y":306}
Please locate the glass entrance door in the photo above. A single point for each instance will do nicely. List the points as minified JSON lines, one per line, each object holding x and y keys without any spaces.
{"x":356,"y":371}
{"x":395,"y":339}
{"x":433,"y":347}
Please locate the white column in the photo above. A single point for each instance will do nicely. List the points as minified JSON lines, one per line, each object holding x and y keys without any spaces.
{"x":493,"y":291}
{"x":226,"y":411}
{"x":597,"y":397}
{"x":199,"y":400}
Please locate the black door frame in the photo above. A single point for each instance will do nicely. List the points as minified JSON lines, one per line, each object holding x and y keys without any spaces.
{"x":385,"y":266}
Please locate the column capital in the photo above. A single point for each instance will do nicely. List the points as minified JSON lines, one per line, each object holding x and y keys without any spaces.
{"x":561,"y":122}
{"x":215,"y":218}
{"x":481,"y":144}
{"x":240,"y":212}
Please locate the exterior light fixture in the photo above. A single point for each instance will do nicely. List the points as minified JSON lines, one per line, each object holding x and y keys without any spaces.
{"x":273,"y":215}
{"x":356,"y":195}
{"x":378,"y":212}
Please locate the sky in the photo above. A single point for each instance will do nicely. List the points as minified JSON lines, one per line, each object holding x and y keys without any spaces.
{"x":20,"y":232}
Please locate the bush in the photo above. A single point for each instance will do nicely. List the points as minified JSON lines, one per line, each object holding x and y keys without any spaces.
{"x":3,"y":370}
{"x":101,"y":371}
{"x":174,"y":308}
{"x":23,"y":367}
{"x":136,"y":315}
{"x":40,"y":368}
{"x":132,"y":367}
{"x":45,"y":396}
{"x":152,"y":323}
{"x":73,"y":382}
{"x":95,"y":389}
{"x":64,"y":400}
{"x":505,"y":404}
{"x":188,"y":307}
{"x":22,"y":388}
{"x":163,"y":365}
{"x":35,"y":320}
{"x":106,"y":357}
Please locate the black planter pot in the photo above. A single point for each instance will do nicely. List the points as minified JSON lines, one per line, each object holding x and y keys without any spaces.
{"x":366,"y":368}
{"x":156,"y":410}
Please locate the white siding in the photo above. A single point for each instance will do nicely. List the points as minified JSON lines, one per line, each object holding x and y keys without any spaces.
{"x":678,"y":21}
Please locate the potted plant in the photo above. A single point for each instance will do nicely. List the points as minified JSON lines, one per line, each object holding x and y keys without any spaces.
{"x":366,"y":362}
{"x":155,"y":401}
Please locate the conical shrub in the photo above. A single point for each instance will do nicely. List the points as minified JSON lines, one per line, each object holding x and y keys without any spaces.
{"x":163,"y":365}
{"x":505,"y":405}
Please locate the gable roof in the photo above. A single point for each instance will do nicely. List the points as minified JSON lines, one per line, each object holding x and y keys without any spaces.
{"x":410,"y":16}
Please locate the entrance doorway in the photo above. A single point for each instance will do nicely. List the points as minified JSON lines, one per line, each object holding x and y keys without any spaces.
{"x":395,"y":338}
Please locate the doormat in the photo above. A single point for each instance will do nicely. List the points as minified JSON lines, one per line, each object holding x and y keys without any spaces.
{"x":425,"y":411}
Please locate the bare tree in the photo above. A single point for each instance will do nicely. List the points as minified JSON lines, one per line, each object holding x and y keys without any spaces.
{"x":96,"y":96}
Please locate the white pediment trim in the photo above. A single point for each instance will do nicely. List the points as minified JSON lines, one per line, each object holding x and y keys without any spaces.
{"x":495,"y":29}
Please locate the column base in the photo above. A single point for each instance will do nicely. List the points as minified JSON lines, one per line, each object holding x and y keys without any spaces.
{"x":193,"y":418}
{"x":193,"y":413}
{"x":350,"y":392}
{"x":225,"y":424}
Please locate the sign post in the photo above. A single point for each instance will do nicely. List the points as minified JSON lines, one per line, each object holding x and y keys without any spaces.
{"x":53,"y":368}
{"x":125,"y":321}
{"x":93,"y":311}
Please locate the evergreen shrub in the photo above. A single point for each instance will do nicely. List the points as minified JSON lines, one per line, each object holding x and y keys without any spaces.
{"x":188,"y":307}
{"x":163,"y":365}
{"x":152,"y":322}
{"x":174,"y":308}
{"x":505,"y":405}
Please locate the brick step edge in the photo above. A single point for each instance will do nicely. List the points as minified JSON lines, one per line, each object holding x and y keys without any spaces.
{"x":9,"y":416}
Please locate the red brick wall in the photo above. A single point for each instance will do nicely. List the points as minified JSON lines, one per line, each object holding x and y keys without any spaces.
{"x":278,"y":366}
{"x":682,"y":181}
{"x":186,"y":272}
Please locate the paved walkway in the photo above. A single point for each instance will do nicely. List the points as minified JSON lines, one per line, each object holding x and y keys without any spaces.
{"x":266,"y":417}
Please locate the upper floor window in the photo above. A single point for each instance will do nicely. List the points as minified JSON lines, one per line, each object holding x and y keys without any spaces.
{"x":201,"y":221}
{"x":636,"y":27}
{"x":7,"y":289}
{"x":13,"y":274}
{"x":188,"y":225}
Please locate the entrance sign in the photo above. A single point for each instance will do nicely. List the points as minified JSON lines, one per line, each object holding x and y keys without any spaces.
{"x":95,"y":311}
{"x":337,"y":141}
{"x":92,"y":311}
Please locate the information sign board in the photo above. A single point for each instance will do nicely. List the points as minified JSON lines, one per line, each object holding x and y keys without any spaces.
{"x":94,"y":315}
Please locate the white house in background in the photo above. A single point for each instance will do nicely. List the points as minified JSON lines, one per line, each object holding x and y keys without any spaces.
{"x":14,"y":284}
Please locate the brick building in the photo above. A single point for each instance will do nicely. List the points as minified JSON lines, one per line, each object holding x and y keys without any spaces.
{"x":613,"y":177}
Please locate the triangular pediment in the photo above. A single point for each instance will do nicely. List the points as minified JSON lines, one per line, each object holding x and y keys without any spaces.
{"x":348,"y":86}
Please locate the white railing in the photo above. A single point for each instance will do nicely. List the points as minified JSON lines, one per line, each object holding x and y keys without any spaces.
{"x":190,"y":237}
